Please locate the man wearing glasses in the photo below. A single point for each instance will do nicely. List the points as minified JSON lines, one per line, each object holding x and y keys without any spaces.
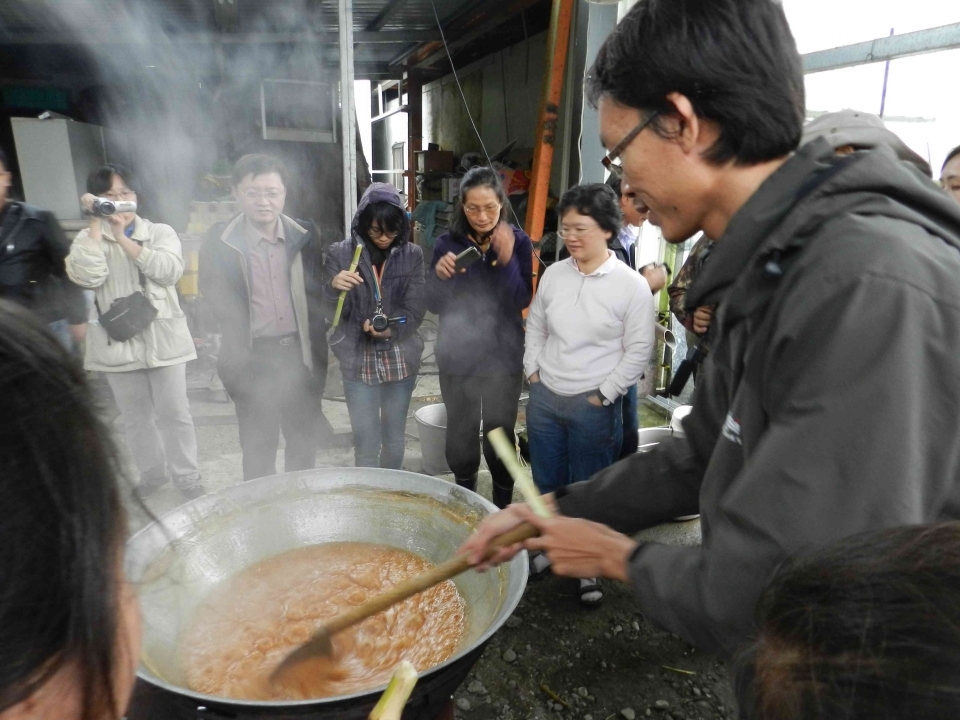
{"x":261,"y":275}
{"x":828,"y":404}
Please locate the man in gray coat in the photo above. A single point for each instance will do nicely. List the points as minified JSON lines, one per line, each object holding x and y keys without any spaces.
{"x":830,"y":402}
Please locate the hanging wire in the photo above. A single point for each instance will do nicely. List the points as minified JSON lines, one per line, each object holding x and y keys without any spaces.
{"x":466,"y":107}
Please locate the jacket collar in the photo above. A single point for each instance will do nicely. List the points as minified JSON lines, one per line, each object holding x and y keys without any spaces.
{"x":751,"y":228}
{"x":295,"y":235}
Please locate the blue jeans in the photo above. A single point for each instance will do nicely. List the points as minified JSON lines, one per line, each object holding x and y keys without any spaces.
{"x":570,"y":438}
{"x":378,"y":418}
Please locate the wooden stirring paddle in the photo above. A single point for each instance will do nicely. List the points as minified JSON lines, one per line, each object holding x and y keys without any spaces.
{"x":319,"y":644}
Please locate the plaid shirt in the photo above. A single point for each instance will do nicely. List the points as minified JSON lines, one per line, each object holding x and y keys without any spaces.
{"x":382,"y":362}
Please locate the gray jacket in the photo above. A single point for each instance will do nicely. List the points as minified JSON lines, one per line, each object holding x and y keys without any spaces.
{"x":830,"y":403}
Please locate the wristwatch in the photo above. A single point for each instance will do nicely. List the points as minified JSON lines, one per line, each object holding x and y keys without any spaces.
{"x":602,"y":398}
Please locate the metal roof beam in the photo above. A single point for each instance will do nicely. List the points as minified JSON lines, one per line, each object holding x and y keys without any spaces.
{"x":325,"y":37}
{"x":946,"y":37}
{"x":387,"y":14}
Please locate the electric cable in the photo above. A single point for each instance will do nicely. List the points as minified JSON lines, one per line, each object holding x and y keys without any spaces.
{"x":466,"y":107}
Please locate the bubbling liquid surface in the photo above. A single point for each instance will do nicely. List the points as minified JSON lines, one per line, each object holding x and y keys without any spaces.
{"x":249,"y":623}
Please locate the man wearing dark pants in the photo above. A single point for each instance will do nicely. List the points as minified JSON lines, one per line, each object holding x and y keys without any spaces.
{"x":261,"y":276}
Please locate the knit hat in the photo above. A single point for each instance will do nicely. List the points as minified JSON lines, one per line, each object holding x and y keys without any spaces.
{"x":863,"y":131}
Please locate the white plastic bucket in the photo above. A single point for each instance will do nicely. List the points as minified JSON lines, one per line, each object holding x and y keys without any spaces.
{"x":432,"y":429}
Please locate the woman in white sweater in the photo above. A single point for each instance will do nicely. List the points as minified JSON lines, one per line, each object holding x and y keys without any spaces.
{"x":116,"y":257}
{"x":590,"y":333}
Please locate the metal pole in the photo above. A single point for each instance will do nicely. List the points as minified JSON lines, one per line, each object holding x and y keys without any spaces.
{"x":886,"y":76}
{"x":557,"y":44}
{"x":946,"y":37}
{"x":414,"y":133}
{"x":348,"y":113}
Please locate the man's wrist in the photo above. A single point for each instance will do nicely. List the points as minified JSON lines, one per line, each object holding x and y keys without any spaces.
{"x":617,"y":558}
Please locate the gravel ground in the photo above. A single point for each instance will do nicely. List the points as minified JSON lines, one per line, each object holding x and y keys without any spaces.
{"x":556,"y":659}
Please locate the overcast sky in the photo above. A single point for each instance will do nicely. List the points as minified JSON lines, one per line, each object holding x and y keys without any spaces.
{"x":926,"y":86}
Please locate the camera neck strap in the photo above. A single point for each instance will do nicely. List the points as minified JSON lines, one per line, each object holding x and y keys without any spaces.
{"x":377,"y":275}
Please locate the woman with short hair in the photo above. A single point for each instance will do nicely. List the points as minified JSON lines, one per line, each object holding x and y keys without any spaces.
{"x":589,"y":337}
{"x":118,"y":257}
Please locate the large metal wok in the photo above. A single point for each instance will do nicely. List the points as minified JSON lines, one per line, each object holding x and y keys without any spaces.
{"x":180,"y":559}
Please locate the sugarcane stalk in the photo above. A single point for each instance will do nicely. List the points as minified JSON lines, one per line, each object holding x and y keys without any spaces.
{"x":507,"y":452}
{"x":397,"y":694}
{"x":343,"y":293}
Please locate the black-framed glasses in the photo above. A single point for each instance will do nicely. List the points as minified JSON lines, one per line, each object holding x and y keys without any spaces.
{"x":610,"y":157}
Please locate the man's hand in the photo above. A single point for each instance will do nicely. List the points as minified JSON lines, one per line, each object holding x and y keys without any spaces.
{"x":447,"y":266}
{"x":579,"y":548}
{"x":595,"y":400}
{"x":503,"y":242}
{"x":368,"y":328}
{"x":702,"y":317}
{"x":78,"y":332}
{"x":535,"y":378}
{"x":346,"y":280}
{"x":493,"y":526}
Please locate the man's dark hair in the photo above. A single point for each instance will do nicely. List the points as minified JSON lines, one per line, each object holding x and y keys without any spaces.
{"x":595,"y":200}
{"x":736,"y":61}
{"x":388,"y":216}
{"x":615,"y":184}
{"x":477,"y":177}
{"x":259,"y":164}
{"x":950,"y":156}
{"x":101,"y":179}
{"x":62,"y":524}
{"x":865,"y":629}
{"x":4,"y":160}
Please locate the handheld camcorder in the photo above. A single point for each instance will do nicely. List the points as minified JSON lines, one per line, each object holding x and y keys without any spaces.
{"x":103,"y":207}
{"x":381,"y":322}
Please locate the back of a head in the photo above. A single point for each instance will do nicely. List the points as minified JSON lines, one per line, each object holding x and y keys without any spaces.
{"x":866,"y":629}
{"x":736,"y":60}
{"x":61,"y":521}
{"x":860,"y":130}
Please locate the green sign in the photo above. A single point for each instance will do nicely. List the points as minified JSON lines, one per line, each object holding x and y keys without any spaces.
{"x":36,"y":97}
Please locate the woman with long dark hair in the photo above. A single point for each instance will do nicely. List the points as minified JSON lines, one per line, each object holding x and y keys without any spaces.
{"x":379,"y":364}
{"x":69,"y":622}
{"x":480,"y":301}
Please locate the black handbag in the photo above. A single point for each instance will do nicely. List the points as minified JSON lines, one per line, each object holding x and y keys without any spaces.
{"x":128,"y":316}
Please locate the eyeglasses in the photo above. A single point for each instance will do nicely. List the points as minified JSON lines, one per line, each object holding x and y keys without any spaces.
{"x":122,"y":195}
{"x":378,"y":233}
{"x":575,"y":232}
{"x":474,"y":210}
{"x":254,"y":195}
{"x":608,"y":159}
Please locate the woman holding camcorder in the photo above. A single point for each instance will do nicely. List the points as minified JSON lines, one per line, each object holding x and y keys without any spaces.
{"x":140,"y":339}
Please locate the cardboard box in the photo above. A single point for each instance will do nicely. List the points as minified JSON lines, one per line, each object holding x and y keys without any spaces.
{"x":434,"y":161}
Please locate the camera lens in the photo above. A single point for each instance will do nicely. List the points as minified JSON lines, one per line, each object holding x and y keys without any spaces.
{"x":380,"y":323}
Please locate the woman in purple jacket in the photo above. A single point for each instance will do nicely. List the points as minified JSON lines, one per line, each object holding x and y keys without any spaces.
{"x":379,"y":364}
{"x":480,"y":342}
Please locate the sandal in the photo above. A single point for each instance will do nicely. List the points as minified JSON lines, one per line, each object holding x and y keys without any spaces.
{"x":539,"y":565}
{"x":591,"y":594}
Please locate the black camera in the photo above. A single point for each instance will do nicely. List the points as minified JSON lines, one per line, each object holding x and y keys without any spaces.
{"x":381,"y":322}
{"x":102,"y":207}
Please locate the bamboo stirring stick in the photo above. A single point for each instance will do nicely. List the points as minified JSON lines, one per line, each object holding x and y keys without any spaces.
{"x":343,"y":293}
{"x":398,"y":692}
{"x":507,"y":452}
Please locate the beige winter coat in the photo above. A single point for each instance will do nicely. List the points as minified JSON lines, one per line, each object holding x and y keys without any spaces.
{"x":104,"y":267}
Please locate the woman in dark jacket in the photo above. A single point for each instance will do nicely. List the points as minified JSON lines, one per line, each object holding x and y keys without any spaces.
{"x":379,"y":367}
{"x":480,"y":343}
